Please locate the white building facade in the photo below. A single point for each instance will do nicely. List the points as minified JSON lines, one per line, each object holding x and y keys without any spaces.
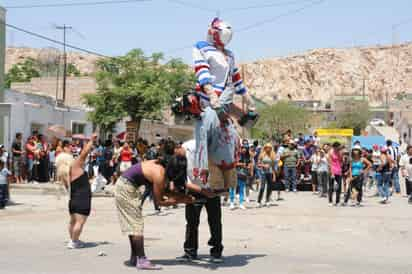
{"x":26,"y":112}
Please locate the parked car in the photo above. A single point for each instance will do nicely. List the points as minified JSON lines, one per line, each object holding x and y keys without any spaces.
{"x":377,"y":122}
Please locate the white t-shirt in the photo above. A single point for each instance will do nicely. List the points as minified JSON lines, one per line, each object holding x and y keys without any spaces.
{"x":4,"y":156}
{"x":4,"y":173}
{"x":315,"y":162}
{"x":323,"y":164}
{"x":405,"y":162}
{"x":376,"y":157}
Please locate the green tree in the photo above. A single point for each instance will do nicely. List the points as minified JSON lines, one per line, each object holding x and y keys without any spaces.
{"x":136,"y":86}
{"x":22,"y":72}
{"x":276,"y":119}
{"x":72,"y":70}
{"x":354,"y":115}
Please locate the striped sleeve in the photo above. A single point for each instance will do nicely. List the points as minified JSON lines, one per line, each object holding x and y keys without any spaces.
{"x":237,"y":81}
{"x":201,"y":66}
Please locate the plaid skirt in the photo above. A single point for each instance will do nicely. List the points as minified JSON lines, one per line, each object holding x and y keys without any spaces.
{"x":128,"y":202}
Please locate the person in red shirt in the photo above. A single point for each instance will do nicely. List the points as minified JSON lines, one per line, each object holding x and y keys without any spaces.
{"x":30,"y":152}
{"x":126,"y":155}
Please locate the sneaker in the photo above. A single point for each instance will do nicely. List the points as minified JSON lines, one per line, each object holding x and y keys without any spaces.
{"x":295,"y":191}
{"x":216,"y":259}
{"x":358,"y":204}
{"x":232,"y":206}
{"x":384,"y":201}
{"x":242,"y":207}
{"x":343,"y":204}
{"x":259,"y":205}
{"x":144,"y":264}
{"x":75,"y":244}
{"x":186,"y":258}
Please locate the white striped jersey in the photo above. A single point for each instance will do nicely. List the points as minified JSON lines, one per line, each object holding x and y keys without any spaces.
{"x":217,"y":68}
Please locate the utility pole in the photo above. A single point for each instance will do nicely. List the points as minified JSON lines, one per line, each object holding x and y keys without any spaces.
{"x":64,"y":28}
{"x":2,"y":72}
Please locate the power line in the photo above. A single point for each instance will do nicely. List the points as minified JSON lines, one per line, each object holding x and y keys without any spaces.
{"x":401,"y":23}
{"x":287,"y":13}
{"x":53,"y":40}
{"x":258,"y":24}
{"x":191,"y":5}
{"x":270,"y":5}
{"x":76,"y":4}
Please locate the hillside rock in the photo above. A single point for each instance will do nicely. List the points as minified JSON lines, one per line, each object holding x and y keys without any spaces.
{"x":323,"y":73}
{"x":84,"y":62}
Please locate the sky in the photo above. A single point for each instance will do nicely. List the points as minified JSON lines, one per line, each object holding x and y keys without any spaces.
{"x":262,"y":28}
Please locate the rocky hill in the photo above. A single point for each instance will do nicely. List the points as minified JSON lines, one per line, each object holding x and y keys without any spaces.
{"x":84,"y":62}
{"x":314,"y":75}
{"x":323,"y":73}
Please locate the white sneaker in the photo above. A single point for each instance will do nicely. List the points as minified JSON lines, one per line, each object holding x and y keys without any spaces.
{"x":259,"y":205}
{"x":242,"y":207}
{"x":232,"y":206}
{"x":75,"y":244}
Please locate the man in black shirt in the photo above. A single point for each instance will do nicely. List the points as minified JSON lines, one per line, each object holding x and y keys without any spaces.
{"x":17,"y":152}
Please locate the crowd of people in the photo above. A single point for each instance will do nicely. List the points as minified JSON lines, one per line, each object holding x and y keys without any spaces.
{"x":331,"y":169}
{"x":274,"y":166}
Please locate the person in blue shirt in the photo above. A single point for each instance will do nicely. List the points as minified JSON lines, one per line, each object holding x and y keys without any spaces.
{"x":359,"y":168}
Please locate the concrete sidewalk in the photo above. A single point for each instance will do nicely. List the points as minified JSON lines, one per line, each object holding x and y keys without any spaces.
{"x":51,"y":189}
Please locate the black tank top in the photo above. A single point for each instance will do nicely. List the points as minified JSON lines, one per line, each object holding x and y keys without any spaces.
{"x":80,"y":187}
{"x":386,"y":167}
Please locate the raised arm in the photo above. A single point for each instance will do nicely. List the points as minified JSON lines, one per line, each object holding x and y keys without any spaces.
{"x":79,"y":162}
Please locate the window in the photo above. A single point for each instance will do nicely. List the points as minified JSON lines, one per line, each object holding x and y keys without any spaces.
{"x":78,"y":128}
{"x":36,"y":128}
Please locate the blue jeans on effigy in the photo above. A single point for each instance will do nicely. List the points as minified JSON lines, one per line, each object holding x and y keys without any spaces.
{"x":383,"y":184}
{"x":232,"y":191}
{"x":214,"y":141}
{"x":395,"y":180}
{"x":290,"y":177}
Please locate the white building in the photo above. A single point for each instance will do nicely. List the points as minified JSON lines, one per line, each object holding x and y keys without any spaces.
{"x":26,"y":112}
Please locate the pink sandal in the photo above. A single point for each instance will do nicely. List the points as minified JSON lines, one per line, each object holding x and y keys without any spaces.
{"x":144,"y":264}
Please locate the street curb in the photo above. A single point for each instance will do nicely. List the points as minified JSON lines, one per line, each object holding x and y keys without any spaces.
{"x":48,"y":189}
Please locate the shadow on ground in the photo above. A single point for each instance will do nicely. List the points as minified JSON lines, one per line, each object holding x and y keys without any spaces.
{"x":95,"y":244}
{"x":203,"y":261}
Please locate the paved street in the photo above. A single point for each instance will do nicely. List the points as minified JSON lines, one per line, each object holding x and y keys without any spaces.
{"x":301,"y":235}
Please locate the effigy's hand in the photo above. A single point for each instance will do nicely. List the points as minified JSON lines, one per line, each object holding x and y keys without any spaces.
{"x":222,"y":115}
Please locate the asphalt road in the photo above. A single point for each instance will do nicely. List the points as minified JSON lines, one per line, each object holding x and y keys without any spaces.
{"x":300,"y":235}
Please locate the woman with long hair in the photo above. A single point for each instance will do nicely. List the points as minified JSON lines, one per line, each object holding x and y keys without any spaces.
{"x":244,"y":171}
{"x":128,"y":198}
{"x":335,"y":180}
{"x":266,"y":163}
{"x":70,"y":172}
{"x":384,"y":171}
{"x":359,"y":168}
